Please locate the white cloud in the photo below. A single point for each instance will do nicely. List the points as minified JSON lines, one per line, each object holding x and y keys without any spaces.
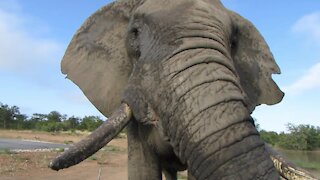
{"x":310,"y":26}
{"x":309,"y":81}
{"x":30,"y":65}
{"x":20,"y":50}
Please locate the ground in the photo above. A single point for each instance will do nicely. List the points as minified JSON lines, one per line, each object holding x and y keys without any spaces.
{"x":109,"y":163}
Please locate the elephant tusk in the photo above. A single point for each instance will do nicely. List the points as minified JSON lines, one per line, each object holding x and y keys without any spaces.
{"x":95,"y":141}
{"x":287,"y":170}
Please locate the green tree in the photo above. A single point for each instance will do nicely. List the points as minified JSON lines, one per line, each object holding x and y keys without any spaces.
{"x":38,"y":121}
{"x":90,"y":123}
{"x":54,"y":116}
{"x":20,"y":121}
{"x":71,"y":123}
{"x":292,"y":141}
{"x":5,"y":115}
{"x":36,"y":117}
{"x":269,"y":137}
{"x":8,"y":116}
{"x":301,"y":137}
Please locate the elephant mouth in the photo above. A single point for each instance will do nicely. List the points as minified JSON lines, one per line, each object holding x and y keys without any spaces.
{"x":95,"y":141}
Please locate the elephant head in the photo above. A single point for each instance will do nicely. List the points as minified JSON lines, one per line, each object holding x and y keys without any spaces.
{"x":193,"y":70}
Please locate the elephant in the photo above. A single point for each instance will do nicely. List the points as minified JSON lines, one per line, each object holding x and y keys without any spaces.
{"x":183,"y":77}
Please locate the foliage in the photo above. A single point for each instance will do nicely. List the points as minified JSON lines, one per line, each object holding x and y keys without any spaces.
{"x":307,"y":165}
{"x":300,"y":137}
{"x":11,"y":118}
{"x":90,"y":123}
{"x":111,"y":148}
{"x":5,"y":151}
{"x":59,"y":149}
{"x":269,"y":137}
{"x":71,"y":123}
{"x":54,"y":116}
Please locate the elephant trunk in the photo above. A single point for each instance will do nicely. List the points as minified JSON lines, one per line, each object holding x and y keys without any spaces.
{"x":95,"y":141}
{"x":215,"y":135}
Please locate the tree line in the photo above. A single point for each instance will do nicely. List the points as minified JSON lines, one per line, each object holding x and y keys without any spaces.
{"x":299,"y":137}
{"x":12,"y":118}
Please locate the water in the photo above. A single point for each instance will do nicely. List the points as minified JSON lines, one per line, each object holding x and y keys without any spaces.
{"x":309,"y":160}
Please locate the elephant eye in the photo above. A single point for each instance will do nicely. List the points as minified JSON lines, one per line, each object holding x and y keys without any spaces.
{"x":234,"y":40}
{"x":133,"y":43}
{"x":135,"y":32}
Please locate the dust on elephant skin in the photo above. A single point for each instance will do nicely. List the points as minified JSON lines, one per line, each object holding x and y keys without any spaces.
{"x":183,"y":76}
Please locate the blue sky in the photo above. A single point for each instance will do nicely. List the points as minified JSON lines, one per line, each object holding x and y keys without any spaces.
{"x":35,"y":33}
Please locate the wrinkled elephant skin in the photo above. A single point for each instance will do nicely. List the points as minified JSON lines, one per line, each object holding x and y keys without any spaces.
{"x":191,"y":73}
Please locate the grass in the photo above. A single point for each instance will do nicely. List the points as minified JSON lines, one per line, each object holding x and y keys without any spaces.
{"x":307,"y":165}
{"x":111,"y":148}
{"x":122,"y":135}
{"x":59,"y":150}
{"x":16,"y":162}
{"x":311,"y":167}
{"x":93,"y":158}
{"x":68,"y":142}
{"x":22,"y":159}
{"x":75,"y":132}
{"x":5,"y":151}
{"x":182,"y":177}
{"x":308,"y":160}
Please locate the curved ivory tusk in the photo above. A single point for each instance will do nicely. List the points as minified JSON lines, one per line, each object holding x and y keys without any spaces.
{"x":95,"y":141}
{"x":286,"y":169}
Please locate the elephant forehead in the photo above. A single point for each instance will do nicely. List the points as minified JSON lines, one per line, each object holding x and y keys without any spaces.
{"x":153,"y":10}
{"x":152,"y":6}
{"x":180,"y":11}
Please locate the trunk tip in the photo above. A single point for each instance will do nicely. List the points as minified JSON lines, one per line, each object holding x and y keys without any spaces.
{"x":54,"y":165}
{"x":57,"y":165}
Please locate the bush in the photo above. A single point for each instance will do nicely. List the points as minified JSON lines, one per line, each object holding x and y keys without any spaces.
{"x":90,"y":123}
{"x":51,"y":126}
{"x":301,"y":137}
{"x":269,"y":137}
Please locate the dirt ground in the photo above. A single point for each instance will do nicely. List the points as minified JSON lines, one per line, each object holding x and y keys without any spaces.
{"x":109,"y":163}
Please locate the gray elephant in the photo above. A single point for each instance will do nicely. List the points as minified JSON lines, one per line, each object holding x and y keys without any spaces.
{"x":183,"y":76}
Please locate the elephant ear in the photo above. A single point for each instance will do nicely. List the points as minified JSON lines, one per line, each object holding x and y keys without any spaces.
{"x":96,"y":59}
{"x":254,"y":63}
